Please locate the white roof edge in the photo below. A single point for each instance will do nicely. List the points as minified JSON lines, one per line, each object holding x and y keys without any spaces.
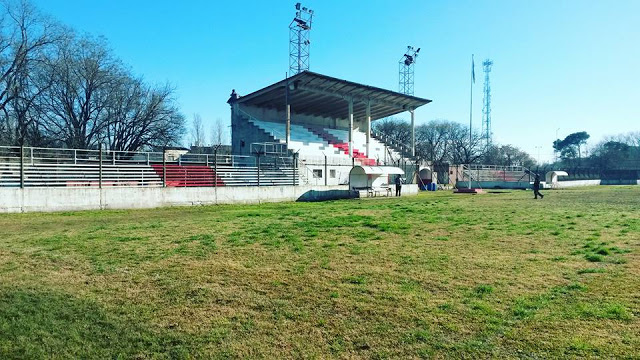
{"x":381,"y":170}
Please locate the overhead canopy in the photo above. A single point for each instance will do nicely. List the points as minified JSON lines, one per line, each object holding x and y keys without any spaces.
{"x":552,"y":176}
{"x":371,"y":176}
{"x":320,"y":95}
{"x":377,"y":170}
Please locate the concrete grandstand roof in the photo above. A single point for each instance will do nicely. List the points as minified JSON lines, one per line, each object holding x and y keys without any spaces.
{"x":320,"y":95}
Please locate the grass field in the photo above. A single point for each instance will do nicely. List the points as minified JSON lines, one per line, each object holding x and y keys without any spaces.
{"x":436,"y":275}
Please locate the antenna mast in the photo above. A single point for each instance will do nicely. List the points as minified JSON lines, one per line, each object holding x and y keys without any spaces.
{"x":486,"y":106}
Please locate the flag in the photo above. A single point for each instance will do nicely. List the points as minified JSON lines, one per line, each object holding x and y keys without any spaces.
{"x":473,"y":70}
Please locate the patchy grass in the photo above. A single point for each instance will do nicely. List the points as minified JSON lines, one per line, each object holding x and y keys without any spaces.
{"x":437,"y":275}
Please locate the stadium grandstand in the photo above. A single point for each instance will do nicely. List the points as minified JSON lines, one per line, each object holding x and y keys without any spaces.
{"x":325,"y":123}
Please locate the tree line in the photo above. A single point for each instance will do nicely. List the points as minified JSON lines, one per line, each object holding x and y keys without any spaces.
{"x":613,"y":152}
{"x":62,"y":89}
{"x":448,"y":142}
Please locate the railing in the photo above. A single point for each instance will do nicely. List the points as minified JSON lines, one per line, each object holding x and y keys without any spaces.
{"x":252,"y":118}
{"x":495,"y":173}
{"x":401,"y":148}
{"x":37,"y":167}
{"x":269,"y":148}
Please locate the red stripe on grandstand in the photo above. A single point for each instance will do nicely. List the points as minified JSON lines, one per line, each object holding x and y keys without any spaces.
{"x":189,"y":175}
{"x":341,"y":145}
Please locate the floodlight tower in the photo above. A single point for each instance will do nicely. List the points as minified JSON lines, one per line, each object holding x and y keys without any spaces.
{"x":299,"y":40}
{"x":407,"y":63}
{"x":486,"y":106}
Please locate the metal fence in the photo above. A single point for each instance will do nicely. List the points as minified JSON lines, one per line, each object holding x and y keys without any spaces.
{"x":33,"y":167}
{"x":627,"y":172}
{"x":56,"y":167}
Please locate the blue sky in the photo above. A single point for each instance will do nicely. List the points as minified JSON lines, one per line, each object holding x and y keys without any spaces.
{"x":558,"y":65}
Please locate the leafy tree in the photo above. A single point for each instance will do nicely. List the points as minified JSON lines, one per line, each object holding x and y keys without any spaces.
{"x":611,"y":154}
{"x":571,"y":147}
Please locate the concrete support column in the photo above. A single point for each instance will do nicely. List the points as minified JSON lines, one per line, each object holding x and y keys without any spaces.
{"x":288,"y":124}
{"x":235,"y":142}
{"x":368,"y":115}
{"x":413,"y":132}
{"x":351,"y":128}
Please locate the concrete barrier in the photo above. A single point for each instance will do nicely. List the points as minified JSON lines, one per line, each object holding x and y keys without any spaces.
{"x":495,"y":184}
{"x":79,"y":198}
{"x":619,"y":182}
{"x":558,"y":185}
{"x":574,"y":183}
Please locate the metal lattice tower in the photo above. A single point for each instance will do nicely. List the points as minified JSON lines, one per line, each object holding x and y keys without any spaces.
{"x":406,"y":64}
{"x":299,"y":41}
{"x":486,"y":105}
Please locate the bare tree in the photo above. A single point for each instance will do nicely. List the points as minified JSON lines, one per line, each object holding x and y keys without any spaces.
{"x":465,"y":149}
{"x":396,"y":130}
{"x":139,"y":116}
{"x":197,"y":131}
{"x":83,"y":75}
{"x":218,"y":134}
{"x":26,"y":40}
{"x":60,"y":89}
{"x":507,"y":155}
{"x":433,"y":141}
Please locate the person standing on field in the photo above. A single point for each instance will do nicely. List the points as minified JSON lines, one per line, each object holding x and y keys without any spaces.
{"x":536,"y":188}
{"x":398,"y":185}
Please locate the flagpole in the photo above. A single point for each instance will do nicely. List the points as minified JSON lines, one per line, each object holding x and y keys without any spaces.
{"x":470,"y":114}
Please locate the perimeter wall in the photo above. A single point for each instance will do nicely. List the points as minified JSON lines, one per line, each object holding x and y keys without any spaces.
{"x":49,"y":199}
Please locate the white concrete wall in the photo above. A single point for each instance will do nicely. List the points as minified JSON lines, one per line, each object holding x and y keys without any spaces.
{"x":557,"y":185}
{"x":71,"y":199}
{"x":574,"y":183}
{"x":407,"y":189}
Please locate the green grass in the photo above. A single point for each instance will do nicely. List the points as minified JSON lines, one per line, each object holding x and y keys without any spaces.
{"x":437,"y":275}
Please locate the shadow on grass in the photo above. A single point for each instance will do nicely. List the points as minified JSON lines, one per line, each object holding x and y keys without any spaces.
{"x":36,"y":325}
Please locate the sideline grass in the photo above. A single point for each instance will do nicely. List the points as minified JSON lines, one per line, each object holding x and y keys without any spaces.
{"x":437,"y":275}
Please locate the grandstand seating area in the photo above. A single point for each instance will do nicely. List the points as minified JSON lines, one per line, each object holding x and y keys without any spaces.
{"x":302,"y":140}
{"x":313,"y":140}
